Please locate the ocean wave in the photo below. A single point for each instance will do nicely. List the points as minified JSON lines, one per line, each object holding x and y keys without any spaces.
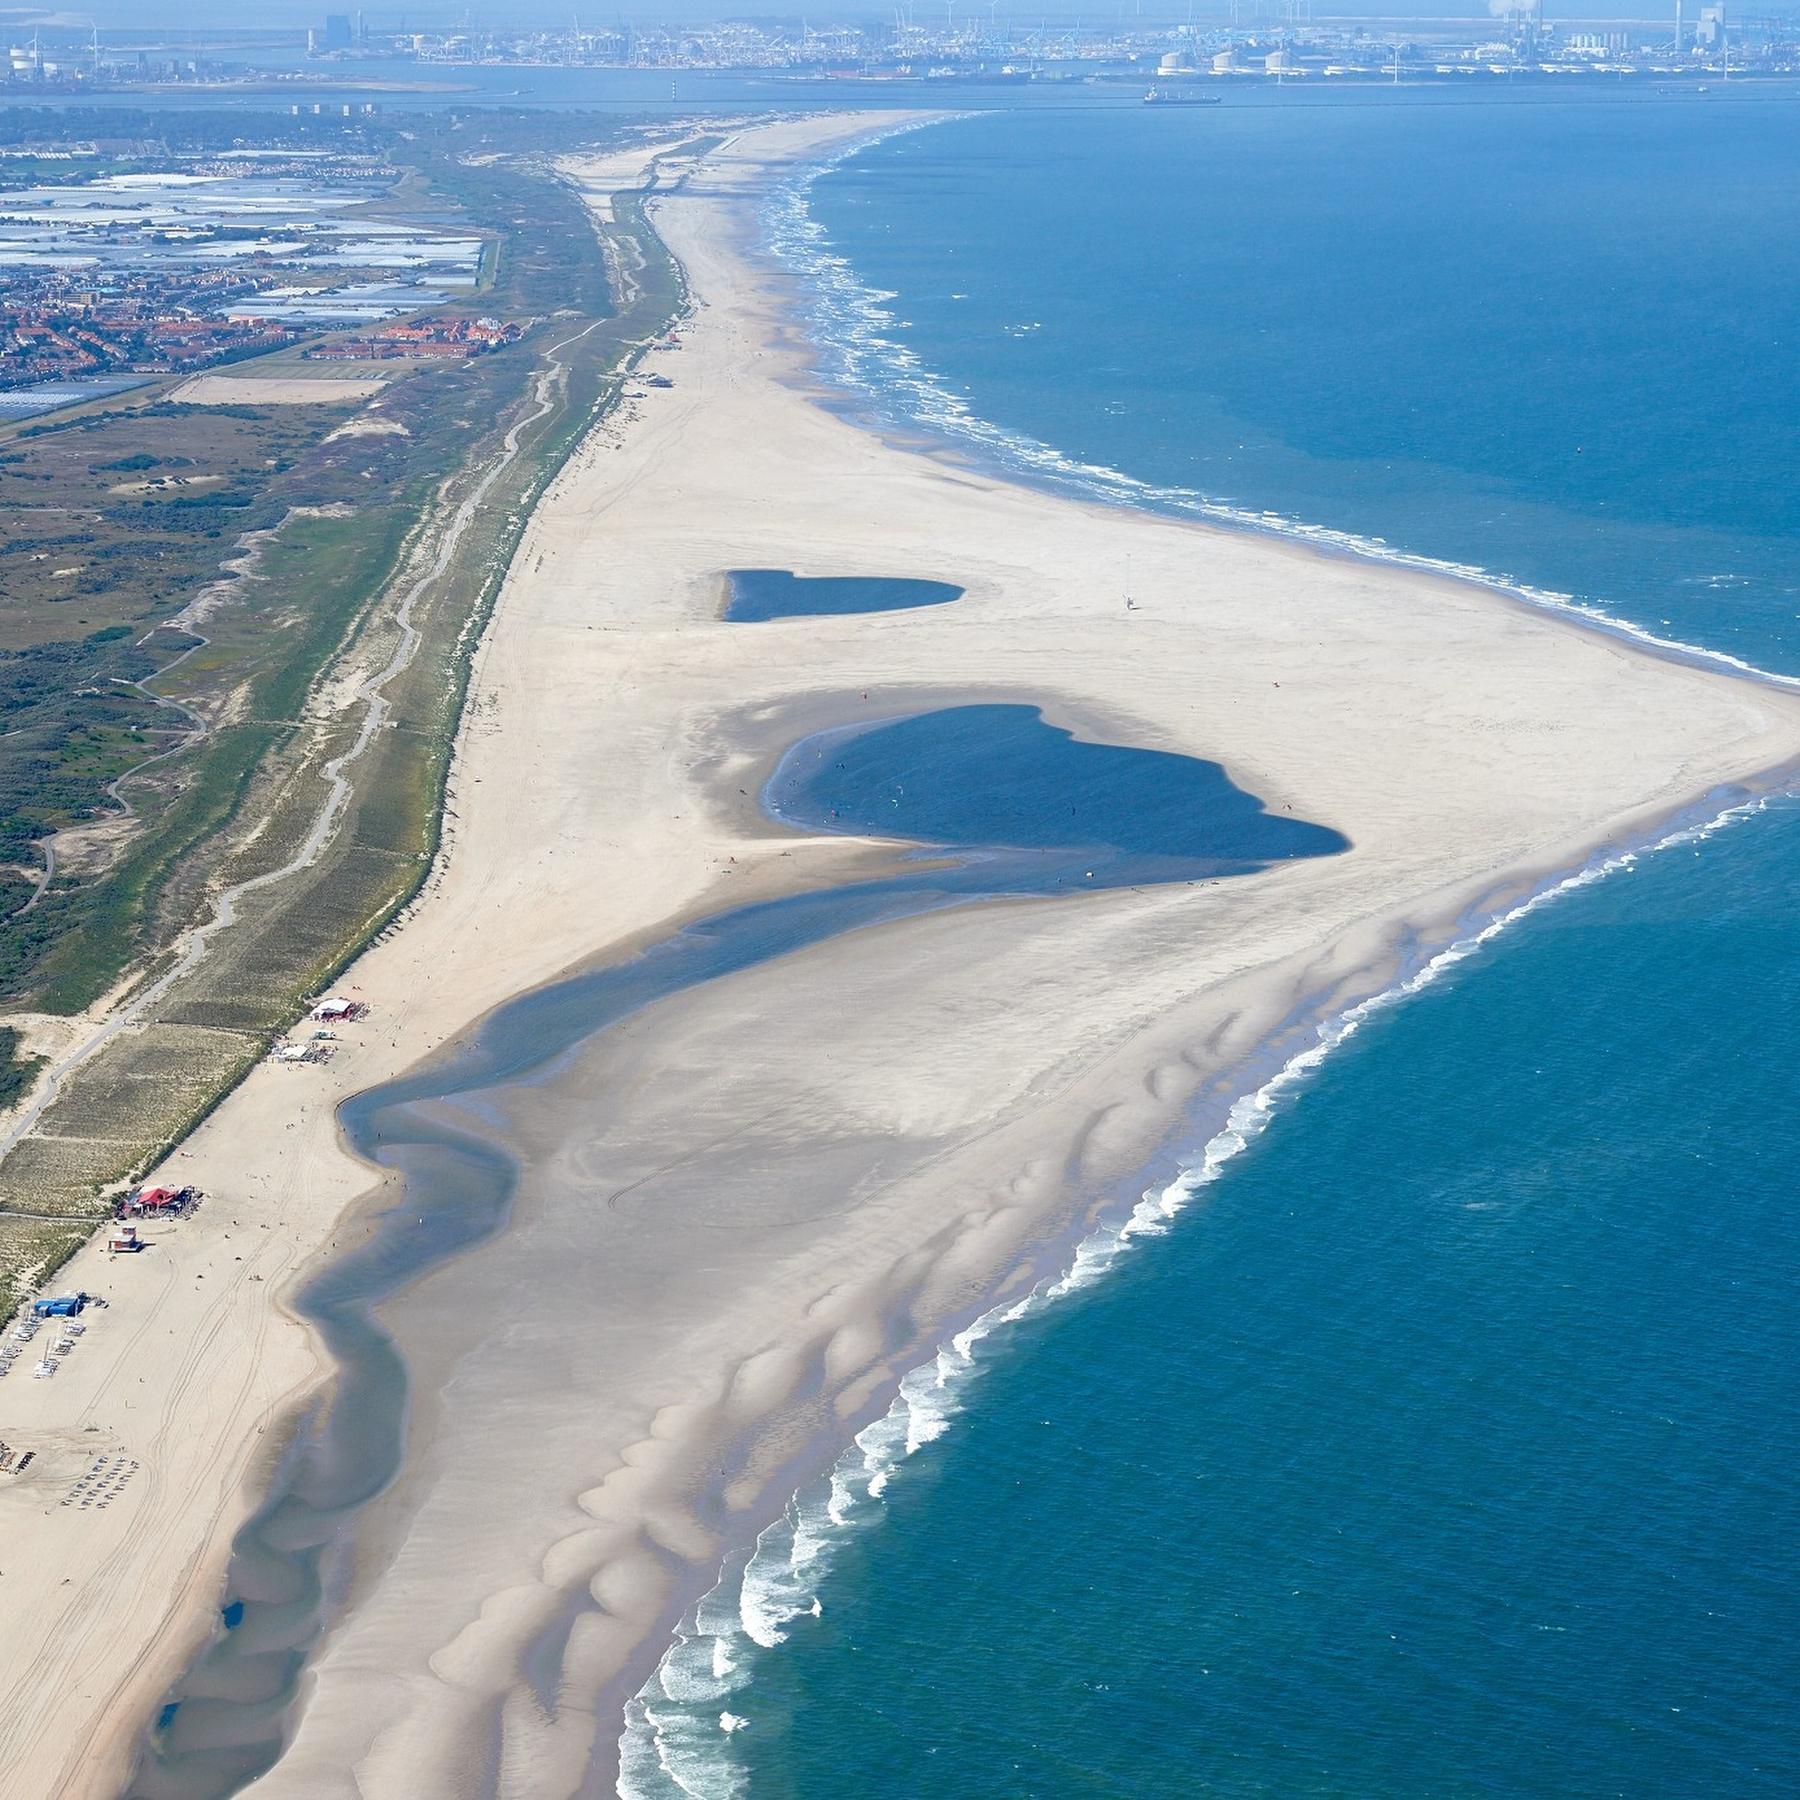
{"x":679,"y":1737}
{"x":851,"y":327}
{"x":677,"y":1741}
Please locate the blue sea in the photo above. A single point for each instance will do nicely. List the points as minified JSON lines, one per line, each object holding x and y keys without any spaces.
{"x":1434,"y":1429}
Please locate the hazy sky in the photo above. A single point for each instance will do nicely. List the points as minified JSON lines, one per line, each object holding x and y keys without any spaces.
{"x":180,"y":16}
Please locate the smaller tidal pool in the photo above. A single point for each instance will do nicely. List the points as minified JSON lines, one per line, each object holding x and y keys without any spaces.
{"x":757,"y":594}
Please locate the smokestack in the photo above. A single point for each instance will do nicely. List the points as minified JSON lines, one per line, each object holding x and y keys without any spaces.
{"x":1677,"y":27}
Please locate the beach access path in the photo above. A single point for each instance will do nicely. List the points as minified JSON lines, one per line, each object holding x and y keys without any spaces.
{"x":999,"y":1066}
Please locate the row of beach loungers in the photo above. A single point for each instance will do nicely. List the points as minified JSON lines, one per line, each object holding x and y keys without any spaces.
{"x":67,"y":1334}
{"x":103,"y":1483}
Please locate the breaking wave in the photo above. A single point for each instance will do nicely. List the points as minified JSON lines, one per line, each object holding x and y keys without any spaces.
{"x":852,"y":327}
{"x":678,"y":1738}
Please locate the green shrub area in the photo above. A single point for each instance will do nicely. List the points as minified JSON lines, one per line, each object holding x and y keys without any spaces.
{"x":342,"y":527}
{"x":17,"y":1071}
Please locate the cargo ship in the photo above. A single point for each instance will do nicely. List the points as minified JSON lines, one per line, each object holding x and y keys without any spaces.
{"x":1176,"y":97}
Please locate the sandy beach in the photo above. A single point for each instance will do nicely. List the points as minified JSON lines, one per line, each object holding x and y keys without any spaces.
{"x":745,"y":1212}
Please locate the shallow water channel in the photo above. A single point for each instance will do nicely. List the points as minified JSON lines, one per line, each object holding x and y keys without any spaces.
{"x":1001,"y":804}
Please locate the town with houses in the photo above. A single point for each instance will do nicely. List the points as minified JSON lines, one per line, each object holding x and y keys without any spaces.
{"x":56,"y":328}
{"x":158,"y":264}
{"x":63,"y":330}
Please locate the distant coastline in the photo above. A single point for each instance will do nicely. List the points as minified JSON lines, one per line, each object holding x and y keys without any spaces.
{"x":306,"y":83}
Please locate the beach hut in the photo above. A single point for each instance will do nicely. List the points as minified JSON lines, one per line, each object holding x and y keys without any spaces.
{"x":160,"y":1201}
{"x":335,"y":1007}
{"x":64,"y":1306}
{"x":123,"y":1239}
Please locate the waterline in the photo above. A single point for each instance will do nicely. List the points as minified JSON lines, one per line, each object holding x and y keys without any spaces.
{"x":679,"y":1726}
{"x":850,"y":325}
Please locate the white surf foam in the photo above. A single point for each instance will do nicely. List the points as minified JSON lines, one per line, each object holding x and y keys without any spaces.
{"x":675,"y":1742}
{"x":852,"y":324}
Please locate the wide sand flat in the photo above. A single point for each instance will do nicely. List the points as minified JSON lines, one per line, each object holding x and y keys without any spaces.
{"x":750,"y":1208}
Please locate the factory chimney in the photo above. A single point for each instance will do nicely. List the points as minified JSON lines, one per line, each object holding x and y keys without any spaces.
{"x":1677,"y":27}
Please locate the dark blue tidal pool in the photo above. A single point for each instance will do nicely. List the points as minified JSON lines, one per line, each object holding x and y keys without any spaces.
{"x":1000,"y":778}
{"x":758,"y":594}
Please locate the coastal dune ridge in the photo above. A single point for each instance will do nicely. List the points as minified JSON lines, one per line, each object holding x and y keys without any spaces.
{"x":746,"y":1212}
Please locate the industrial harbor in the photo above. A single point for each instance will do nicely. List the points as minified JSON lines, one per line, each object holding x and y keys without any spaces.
{"x":1238,"y":44}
